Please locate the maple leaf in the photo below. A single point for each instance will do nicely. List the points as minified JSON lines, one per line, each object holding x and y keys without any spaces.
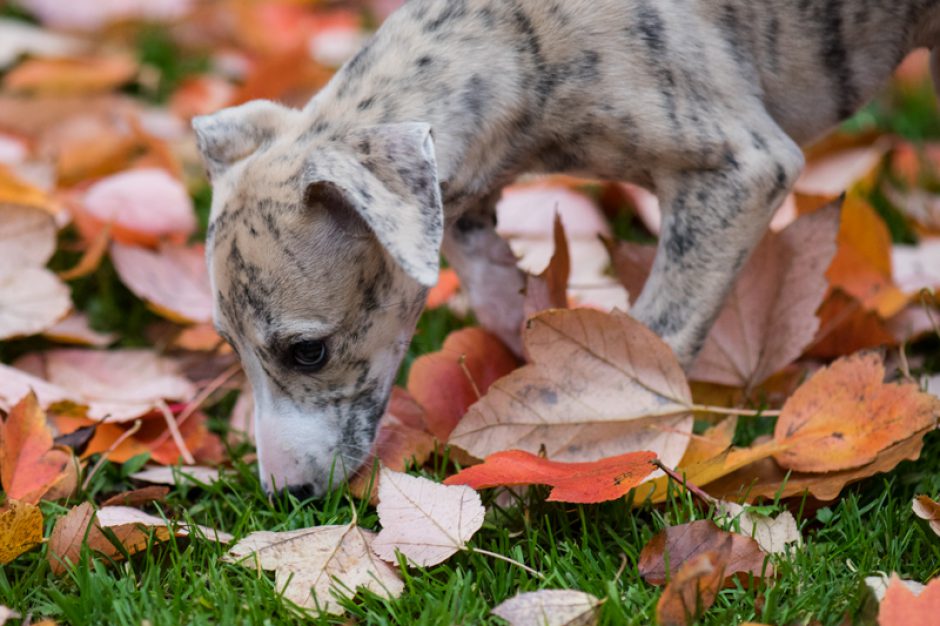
{"x":173,"y":280}
{"x":133,"y":529}
{"x":928,"y":509}
{"x":586,"y":483}
{"x":20,"y":529}
{"x":902,"y":607}
{"x":29,"y":464}
{"x":445,"y":383}
{"x":679,"y":544}
{"x":769,"y":317}
{"x":600,"y":384}
{"x":844,"y":415}
{"x":312,"y":565}
{"x":549,"y":607}
{"x":425,"y":521}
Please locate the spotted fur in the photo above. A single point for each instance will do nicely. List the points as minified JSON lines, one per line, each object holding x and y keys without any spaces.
{"x":327,"y":222}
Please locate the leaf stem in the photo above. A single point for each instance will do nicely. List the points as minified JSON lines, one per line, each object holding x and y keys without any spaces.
{"x":691,"y":487}
{"x":506,"y":559}
{"x":705,"y":408}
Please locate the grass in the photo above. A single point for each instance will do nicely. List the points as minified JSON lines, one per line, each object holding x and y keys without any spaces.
{"x":868,"y":530}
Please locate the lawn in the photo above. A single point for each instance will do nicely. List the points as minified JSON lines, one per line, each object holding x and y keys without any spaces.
{"x":868,"y":530}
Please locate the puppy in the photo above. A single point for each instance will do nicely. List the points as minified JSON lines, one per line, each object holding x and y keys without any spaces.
{"x":328,"y":222}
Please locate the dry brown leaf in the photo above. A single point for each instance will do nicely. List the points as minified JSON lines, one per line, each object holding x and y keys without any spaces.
{"x":632,"y":263}
{"x":844,"y":416}
{"x":132,"y":528}
{"x":845,"y":327}
{"x":693,"y":589}
{"x":769,"y":317}
{"x":599,"y":385}
{"x":426,"y":521}
{"x":679,"y":544}
{"x":312,"y":565}
{"x":928,"y":509}
{"x":178,"y":475}
{"x":138,"y":497}
{"x":173,"y":280}
{"x":70,"y":75}
{"x":29,"y":464}
{"x":116,"y":385}
{"x":765,"y":478}
{"x":772,"y":534}
{"x":549,"y":290}
{"x":710,"y":443}
{"x":903,"y":607}
{"x":20,"y":529}
{"x":549,"y":607}
{"x":32,"y":299}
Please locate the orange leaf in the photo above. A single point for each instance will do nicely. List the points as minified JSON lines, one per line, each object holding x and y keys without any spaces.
{"x":29,"y":465}
{"x":70,"y":75}
{"x":845,"y":326}
{"x":583,"y":483}
{"x":844,"y":415}
{"x":901,"y":607}
{"x":693,"y":590}
{"x":441,"y":384}
{"x":447,"y":285}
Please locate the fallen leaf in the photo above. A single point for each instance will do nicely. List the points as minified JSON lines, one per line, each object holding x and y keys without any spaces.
{"x":20,"y":529}
{"x":174,"y":280}
{"x":692,"y":590}
{"x":312,"y":565}
{"x":772,"y":534}
{"x":29,"y":464}
{"x":138,"y":497}
{"x":769,"y":317}
{"x":927,"y":509}
{"x":425,"y":521}
{"x":144,"y":206}
{"x":599,"y":385}
{"x":632,"y":263}
{"x":20,"y":38}
{"x":585,"y":483}
{"x":862,"y":264}
{"x":17,"y":195}
{"x":92,"y":256}
{"x":132,"y":528}
{"x":75,"y":329}
{"x":832,"y":173}
{"x":879,"y":585}
{"x":679,"y":544}
{"x":7,"y":614}
{"x":902,"y":607}
{"x":445,"y":383}
{"x":549,"y":290}
{"x":711,"y":443}
{"x":116,"y":385}
{"x":94,"y":15}
{"x":70,"y":75}
{"x":765,"y":478}
{"x":32,"y":299}
{"x":844,"y":415}
{"x":845,"y":326}
{"x":916,"y":267}
{"x":178,"y":475}
{"x":447,"y":286}
{"x":27,"y":235}
{"x":549,"y":607}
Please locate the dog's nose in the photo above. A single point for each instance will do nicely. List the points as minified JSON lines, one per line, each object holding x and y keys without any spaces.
{"x":302,"y":492}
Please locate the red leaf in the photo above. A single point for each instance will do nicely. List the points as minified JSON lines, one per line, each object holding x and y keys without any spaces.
{"x":583,"y":483}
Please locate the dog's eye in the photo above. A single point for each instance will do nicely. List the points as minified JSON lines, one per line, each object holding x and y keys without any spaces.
{"x":309,"y":356}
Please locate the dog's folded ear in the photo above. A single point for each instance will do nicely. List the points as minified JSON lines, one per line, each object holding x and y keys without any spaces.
{"x":393,"y":188}
{"x":230,"y":135}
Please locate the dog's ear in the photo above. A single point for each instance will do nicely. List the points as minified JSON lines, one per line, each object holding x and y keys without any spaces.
{"x":394,"y":190}
{"x":230,"y":135}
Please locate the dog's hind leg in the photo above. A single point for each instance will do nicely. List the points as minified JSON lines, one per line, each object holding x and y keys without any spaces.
{"x":488,"y":273}
{"x":712,"y":220}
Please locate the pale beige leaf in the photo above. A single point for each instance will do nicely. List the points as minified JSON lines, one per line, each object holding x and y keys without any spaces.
{"x":426,"y":521}
{"x":165,"y":475}
{"x":20,"y":38}
{"x":879,"y":585}
{"x":6,"y":614}
{"x":312,"y":565}
{"x":772,"y":534}
{"x":833,"y":173}
{"x":929,"y":510}
{"x":27,"y":236}
{"x":599,"y":385}
{"x":933,"y":385}
{"x":16,"y":383}
{"x":770,"y":316}
{"x":75,"y":329}
{"x":120,"y":516}
{"x":173,"y":280}
{"x":116,"y":385}
{"x":31,"y":300}
{"x":916,"y":267}
{"x":550,"y":607}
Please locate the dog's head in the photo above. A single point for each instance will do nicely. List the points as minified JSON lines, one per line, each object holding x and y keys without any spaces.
{"x":321,"y":249}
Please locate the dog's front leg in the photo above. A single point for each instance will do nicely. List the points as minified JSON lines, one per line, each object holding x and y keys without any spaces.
{"x":712,"y":220}
{"x":488,"y":273}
